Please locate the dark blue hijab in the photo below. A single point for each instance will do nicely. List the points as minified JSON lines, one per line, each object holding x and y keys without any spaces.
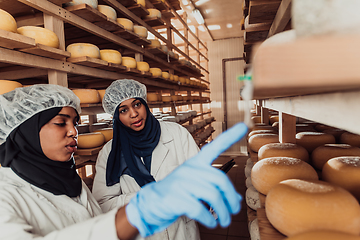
{"x":127,"y":148}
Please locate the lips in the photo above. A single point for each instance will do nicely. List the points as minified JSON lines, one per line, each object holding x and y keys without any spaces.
{"x":137,"y":123}
{"x":72,"y":147}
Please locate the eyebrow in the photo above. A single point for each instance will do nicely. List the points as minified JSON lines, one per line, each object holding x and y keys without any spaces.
{"x":126,"y":105}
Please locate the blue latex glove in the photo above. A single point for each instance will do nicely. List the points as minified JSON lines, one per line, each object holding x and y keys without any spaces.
{"x":158,"y":204}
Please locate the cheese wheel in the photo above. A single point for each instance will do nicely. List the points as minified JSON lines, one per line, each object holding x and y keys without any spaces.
{"x":101,"y":93}
{"x":166,"y":98}
{"x":164,"y":48}
{"x":141,"y":2}
{"x":268,"y":172}
{"x":187,"y":80}
{"x":8,"y":85}
{"x":176,"y":78}
{"x":154,"y":43}
{"x":323,"y":235}
{"x":142,"y":66}
{"x":321,"y":127}
{"x":141,"y":31}
{"x":254,"y":132}
{"x":7,"y":22}
{"x":274,"y":118}
{"x":344,"y":172}
{"x":90,"y":140}
{"x":295,"y":206}
{"x":87,"y":95}
{"x":325,"y":152}
{"x":127,"y":23}
{"x":171,"y":77}
{"x":262,"y":126}
{"x":111,"y":56}
{"x":152,"y":97}
{"x":182,"y":79}
{"x":256,"y":141}
{"x":254,"y":229}
{"x":107,"y":132}
{"x":156,"y":72}
{"x":83,"y":49}
{"x":41,"y":35}
{"x":256,"y":119}
{"x":312,"y":140}
{"x":283,"y":150}
{"x":153,"y":13}
{"x":165,"y":75}
{"x":303,"y":127}
{"x":92,"y":3}
{"x":335,"y":132}
{"x":252,"y":198}
{"x":108,"y":11}
{"x":128,"y":62}
{"x":350,"y":138}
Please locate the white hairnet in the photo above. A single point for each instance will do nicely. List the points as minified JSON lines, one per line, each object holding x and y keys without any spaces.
{"x":22,"y":103}
{"x":121,"y":90}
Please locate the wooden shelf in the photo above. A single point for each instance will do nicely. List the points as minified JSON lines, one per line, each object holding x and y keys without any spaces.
{"x":154,"y":22}
{"x":14,"y":40}
{"x":139,"y":10}
{"x":261,"y":11}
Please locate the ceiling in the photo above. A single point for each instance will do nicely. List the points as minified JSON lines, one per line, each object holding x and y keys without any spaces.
{"x":222,"y":17}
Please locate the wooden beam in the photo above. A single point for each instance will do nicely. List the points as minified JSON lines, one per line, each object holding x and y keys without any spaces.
{"x":282,"y":18}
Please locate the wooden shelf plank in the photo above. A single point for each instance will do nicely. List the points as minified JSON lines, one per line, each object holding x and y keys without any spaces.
{"x":160,"y":5}
{"x":139,"y":10}
{"x":154,"y":22}
{"x":87,"y":12}
{"x":261,"y":11}
{"x":46,"y":51}
{"x":14,"y":40}
{"x":88,"y":61}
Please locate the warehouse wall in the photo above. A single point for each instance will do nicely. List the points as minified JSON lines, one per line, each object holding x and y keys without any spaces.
{"x":219,"y":50}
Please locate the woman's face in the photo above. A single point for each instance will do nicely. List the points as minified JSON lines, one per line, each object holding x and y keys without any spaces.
{"x":58,"y":137}
{"x":132,"y":113}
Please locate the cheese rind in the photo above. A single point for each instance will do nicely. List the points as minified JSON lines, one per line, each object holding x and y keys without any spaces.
{"x":92,"y":3}
{"x":156,"y":72}
{"x":142,"y":66}
{"x":283,"y":150}
{"x":83,"y":49}
{"x":312,"y":140}
{"x":258,"y":140}
{"x":87,"y":95}
{"x":108,"y":11}
{"x":110,"y":55}
{"x":7,"y":22}
{"x":7,"y":86}
{"x":90,"y":140}
{"x":41,"y":35}
{"x":126,"y":23}
{"x":153,"y":13}
{"x":107,"y":132}
{"x":128,"y":62}
{"x":324,"y":235}
{"x":141,"y":31}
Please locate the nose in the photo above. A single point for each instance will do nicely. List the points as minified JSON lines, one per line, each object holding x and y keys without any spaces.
{"x":72,"y":131}
{"x":133,"y":112}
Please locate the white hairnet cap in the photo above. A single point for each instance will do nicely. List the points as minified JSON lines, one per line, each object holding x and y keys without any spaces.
{"x":121,"y":90}
{"x":22,"y":103}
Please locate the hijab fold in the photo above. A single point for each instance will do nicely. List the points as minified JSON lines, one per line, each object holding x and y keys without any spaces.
{"x":129,"y":146}
{"x":22,"y":152}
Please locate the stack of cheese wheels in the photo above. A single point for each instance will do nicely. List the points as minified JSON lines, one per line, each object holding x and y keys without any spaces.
{"x":323,"y":235}
{"x":92,"y":3}
{"x":41,"y":35}
{"x":344,"y":172}
{"x":128,"y":62}
{"x":312,"y":140}
{"x":153,"y":13}
{"x":283,"y":150}
{"x":268,"y":172}
{"x":7,"y":86}
{"x":142,"y":66}
{"x":154,"y":43}
{"x":141,"y":31}
{"x":165,"y":75}
{"x":7,"y":22}
{"x":256,"y":141}
{"x":126,"y":23}
{"x":141,"y":2}
{"x":256,"y":119}
{"x":156,"y":72}
{"x":107,"y":132}
{"x":101,"y":93}
{"x":83,"y":49}
{"x":111,"y":56}
{"x":87,"y":95}
{"x":152,"y":97}
{"x":90,"y":140}
{"x":325,"y":152}
{"x":295,"y":206}
{"x":350,"y":138}
{"x":107,"y":11}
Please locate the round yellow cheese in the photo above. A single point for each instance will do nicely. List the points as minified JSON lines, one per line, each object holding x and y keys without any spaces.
{"x":127,"y":23}
{"x":41,"y":35}
{"x":268,"y":172}
{"x":87,"y":95}
{"x":312,"y":140}
{"x":107,"y":132}
{"x":110,"y":55}
{"x":152,"y":97}
{"x":128,"y":62}
{"x":295,"y":206}
{"x":101,"y":93}
{"x":8,"y":85}
{"x":166,"y":98}
{"x":165,"y":75}
{"x":156,"y":72}
{"x":108,"y":11}
{"x":141,"y":31}
{"x":256,"y":141}
{"x":7,"y":22}
{"x":325,"y":152}
{"x":176,"y":56}
{"x":182,"y":79}
{"x":92,"y":3}
{"x":323,"y":235}
{"x":83,"y":49}
{"x":90,"y":140}
{"x":344,"y":172}
{"x":176,"y":78}
{"x":141,"y":2}
{"x":153,"y":13}
{"x":154,"y":43}
{"x":254,"y":132}
{"x":283,"y":150}
{"x":350,"y":138}
{"x":171,"y":77}
{"x":142,"y":66}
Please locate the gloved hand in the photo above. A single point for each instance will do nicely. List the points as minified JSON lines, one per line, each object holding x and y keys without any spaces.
{"x":158,"y":204}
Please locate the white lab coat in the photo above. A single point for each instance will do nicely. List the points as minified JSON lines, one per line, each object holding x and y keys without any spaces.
{"x":175,"y":146}
{"x":28,"y":212}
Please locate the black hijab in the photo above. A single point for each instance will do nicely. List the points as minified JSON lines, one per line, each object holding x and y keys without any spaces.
{"x":23,"y":154}
{"x":127,"y":148}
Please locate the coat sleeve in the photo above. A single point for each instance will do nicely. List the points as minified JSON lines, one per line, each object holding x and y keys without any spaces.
{"x":108,"y":197}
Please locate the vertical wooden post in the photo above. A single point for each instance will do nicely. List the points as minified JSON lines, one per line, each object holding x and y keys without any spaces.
{"x":258,"y":107}
{"x":287,"y":128}
{"x":265,"y":115}
{"x":139,"y":57}
{"x":173,"y":109}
